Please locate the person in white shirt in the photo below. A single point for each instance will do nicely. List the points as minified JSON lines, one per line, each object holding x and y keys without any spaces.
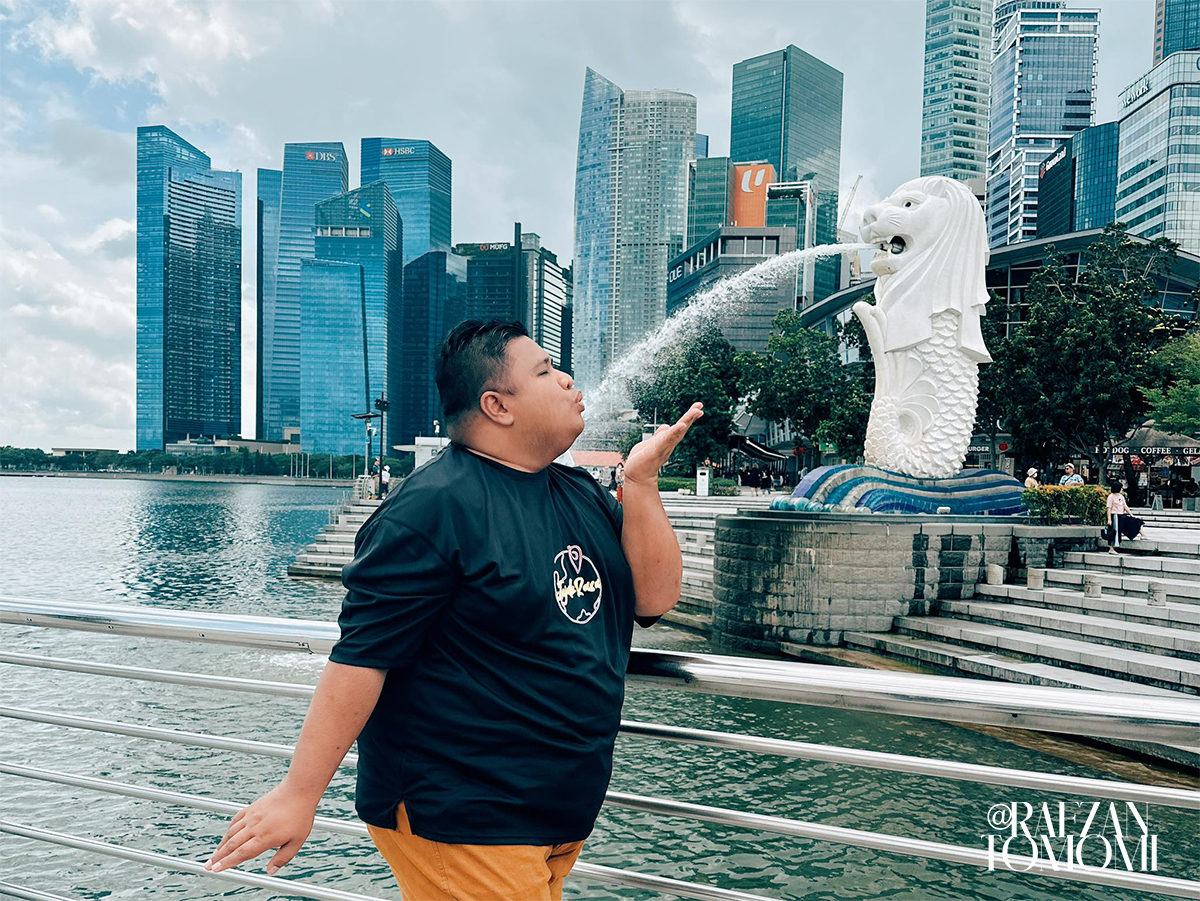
{"x":1072,"y":477}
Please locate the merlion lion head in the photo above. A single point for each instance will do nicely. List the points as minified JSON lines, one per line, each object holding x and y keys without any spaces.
{"x":932,"y":257}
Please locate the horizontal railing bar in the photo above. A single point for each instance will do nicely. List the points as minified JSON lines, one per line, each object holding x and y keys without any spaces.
{"x":1076,"y":711}
{"x":155,"y":733}
{"x":172,"y":677}
{"x":1100,"y":714}
{"x":758,"y":822}
{"x":924,"y":766}
{"x":646,"y":881}
{"x":1165,"y":885}
{"x":9,"y":890}
{"x":277,"y":633}
{"x":284,"y":886}
{"x":949,"y":769}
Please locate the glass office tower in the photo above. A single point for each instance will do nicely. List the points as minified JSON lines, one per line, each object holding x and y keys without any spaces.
{"x":435,"y":285}
{"x":1158,"y":179}
{"x":311,"y":173}
{"x":710,"y":182}
{"x":954,"y":110}
{"x":1043,"y":92}
{"x":270,"y":190}
{"x":189,"y":292}
{"x":420,"y":178}
{"x":1077,"y":184}
{"x":787,"y":111}
{"x":1176,"y":27}
{"x":630,"y":216}
{"x":361,"y":229}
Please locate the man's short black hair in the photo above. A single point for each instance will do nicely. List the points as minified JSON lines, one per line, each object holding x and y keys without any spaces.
{"x":471,"y":361}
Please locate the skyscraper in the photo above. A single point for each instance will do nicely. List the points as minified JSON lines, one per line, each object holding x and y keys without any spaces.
{"x":270,"y":190}
{"x":1158,"y":185}
{"x":350,"y":300}
{"x":311,"y":173}
{"x":1043,"y":91}
{"x":189,"y":292}
{"x":787,"y":111}
{"x":701,"y":146}
{"x":710,"y":181}
{"x":1176,"y":27}
{"x":521,"y":280}
{"x":630,"y":216}
{"x":419,"y":176}
{"x":954,"y":111}
{"x":435,"y":286}
{"x":1077,"y":184}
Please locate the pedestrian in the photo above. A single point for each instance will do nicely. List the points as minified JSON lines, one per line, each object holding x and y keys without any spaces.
{"x":1071,"y":477}
{"x":803,"y":473}
{"x":1031,"y":478}
{"x":743,"y":478}
{"x":612,"y":481}
{"x":385,"y":479}
{"x":765,"y":484}
{"x":483,"y":765}
{"x":1121,"y":520}
{"x":376,"y":471}
{"x":619,"y":475}
{"x":755,"y":480}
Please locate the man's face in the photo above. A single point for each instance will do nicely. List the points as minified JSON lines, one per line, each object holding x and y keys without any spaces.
{"x":546,"y":409}
{"x":1070,"y":470}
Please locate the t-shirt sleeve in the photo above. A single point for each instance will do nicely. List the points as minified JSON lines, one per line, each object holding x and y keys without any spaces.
{"x":396,"y":588}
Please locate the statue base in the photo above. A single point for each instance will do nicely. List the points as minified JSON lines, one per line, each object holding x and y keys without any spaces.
{"x":972,"y":492}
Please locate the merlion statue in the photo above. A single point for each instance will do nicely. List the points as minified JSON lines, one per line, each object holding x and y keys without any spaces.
{"x":923,"y":329}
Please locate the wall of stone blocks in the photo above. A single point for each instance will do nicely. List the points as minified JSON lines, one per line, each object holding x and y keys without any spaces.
{"x":780,"y":576}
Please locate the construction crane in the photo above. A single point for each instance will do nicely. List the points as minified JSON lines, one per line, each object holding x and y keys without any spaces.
{"x":849,"y":200}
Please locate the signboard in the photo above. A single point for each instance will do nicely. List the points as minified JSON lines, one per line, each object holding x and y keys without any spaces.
{"x":467,"y":250}
{"x":675,"y":273}
{"x":1138,"y":89}
{"x":397,"y":151}
{"x":750,"y":194}
{"x":320,"y":156}
{"x":1053,"y":160}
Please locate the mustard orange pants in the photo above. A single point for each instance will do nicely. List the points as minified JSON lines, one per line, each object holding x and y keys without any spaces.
{"x":436,"y":871}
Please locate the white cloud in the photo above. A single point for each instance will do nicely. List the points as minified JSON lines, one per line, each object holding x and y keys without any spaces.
{"x":50,"y":213}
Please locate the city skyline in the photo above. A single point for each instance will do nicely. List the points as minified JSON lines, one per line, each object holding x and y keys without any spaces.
{"x":69,"y":290}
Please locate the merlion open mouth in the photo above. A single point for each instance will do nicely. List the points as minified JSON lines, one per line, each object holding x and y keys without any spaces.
{"x":895,"y":245}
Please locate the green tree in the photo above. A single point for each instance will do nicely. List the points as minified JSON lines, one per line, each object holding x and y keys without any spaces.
{"x":801,"y":378}
{"x":1076,"y":365}
{"x":702,"y":369}
{"x":1174,"y":402}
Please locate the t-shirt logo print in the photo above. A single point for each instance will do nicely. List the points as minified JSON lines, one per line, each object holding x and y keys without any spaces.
{"x":577,"y":587}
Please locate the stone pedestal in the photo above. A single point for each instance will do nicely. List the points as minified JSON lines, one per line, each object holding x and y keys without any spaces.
{"x":809,"y":577}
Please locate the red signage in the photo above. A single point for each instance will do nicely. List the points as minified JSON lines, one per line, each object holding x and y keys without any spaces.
{"x":309,"y":155}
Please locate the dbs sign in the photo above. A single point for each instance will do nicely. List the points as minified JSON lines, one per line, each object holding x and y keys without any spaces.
{"x":750,"y":194}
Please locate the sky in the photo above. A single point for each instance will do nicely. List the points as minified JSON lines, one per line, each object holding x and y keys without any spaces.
{"x":497,"y":86}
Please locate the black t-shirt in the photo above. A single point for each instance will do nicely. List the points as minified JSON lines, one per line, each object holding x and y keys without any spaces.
{"x":502,"y":606}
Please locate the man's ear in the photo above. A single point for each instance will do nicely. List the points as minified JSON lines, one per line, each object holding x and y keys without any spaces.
{"x":491,"y":404}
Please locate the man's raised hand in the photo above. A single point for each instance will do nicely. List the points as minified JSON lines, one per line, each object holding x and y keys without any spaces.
{"x":649,"y":455}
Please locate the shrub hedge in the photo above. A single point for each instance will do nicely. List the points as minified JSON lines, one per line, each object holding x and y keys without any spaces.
{"x":1054,"y":504}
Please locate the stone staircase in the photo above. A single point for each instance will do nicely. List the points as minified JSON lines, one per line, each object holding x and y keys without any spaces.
{"x":1060,"y":635}
{"x":693,"y":518}
{"x":333,"y":548}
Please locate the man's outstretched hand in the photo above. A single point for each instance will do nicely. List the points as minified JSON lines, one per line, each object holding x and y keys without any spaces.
{"x":279,"y":819}
{"x":649,"y":455}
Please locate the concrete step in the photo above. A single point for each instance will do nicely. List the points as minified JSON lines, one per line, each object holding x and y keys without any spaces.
{"x":1134,"y":565}
{"x":697,"y":562}
{"x":1113,"y":606}
{"x":1162,"y":547}
{"x":1073,"y":653}
{"x":698,"y":578}
{"x":1090,"y":627}
{"x":990,"y":665}
{"x":691,"y":621}
{"x":315,"y":571}
{"x":1180,"y":591}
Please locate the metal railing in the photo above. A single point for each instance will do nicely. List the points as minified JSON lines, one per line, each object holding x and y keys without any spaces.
{"x":1074,"y":711}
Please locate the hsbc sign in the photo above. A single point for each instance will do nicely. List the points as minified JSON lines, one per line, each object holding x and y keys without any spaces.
{"x":397,"y":151}
{"x":320,"y":156}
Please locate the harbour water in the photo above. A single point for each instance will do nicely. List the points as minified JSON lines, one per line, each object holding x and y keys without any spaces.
{"x":225,"y":548}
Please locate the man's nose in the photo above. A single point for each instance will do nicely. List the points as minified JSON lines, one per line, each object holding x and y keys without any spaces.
{"x":566,"y":381}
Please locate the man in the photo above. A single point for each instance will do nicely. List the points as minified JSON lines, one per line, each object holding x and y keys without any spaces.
{"x":484,"y":638}
{"x":1072,"y":477}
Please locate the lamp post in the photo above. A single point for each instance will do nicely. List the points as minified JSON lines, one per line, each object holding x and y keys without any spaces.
{"x":367,"y":417}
